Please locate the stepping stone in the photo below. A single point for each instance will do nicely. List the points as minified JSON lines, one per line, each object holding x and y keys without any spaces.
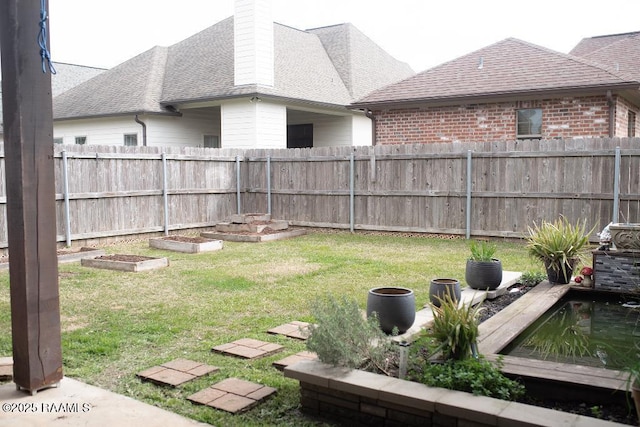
{"x":6,"y":368}
{"x":295,"y":329}
{"x":248,"y":348}
{"x":232,"y":395}
{"x":293,"y":359}
{"x":176,"y":372}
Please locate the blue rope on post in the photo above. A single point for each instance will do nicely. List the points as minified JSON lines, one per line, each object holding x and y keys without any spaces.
{"x":42,"y":39}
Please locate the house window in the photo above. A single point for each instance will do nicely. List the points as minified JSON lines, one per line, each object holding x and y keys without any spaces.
{"x":211,"y":141}
{"x":631,"y":126}
{"x":300,"y":136}
{"x":81,"y":140}
{"x":130,"y":139}
{"x":529,"y":123}
{"x":58,"y":140}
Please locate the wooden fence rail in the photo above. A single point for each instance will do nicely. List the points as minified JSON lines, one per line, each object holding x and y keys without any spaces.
{"x":482,"y":189}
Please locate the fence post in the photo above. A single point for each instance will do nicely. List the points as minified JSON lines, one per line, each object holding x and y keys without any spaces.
{"x":616,"y":188}
{"x":165,"y":194}
{"x":468,"y":194}
{"x":269,"y":185}
{"x":351,"y":192}
{"x":239,"y":206}
{"x":67,"y":215}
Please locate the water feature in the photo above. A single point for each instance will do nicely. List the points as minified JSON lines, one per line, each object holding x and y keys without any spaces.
{"x":584,"y":328}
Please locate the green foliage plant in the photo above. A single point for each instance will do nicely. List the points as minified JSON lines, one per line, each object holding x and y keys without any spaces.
{"x":477,"y":376}
{"x":532,"y":278}
{"x":482,"y":251}
{"x":455,"y":327}
{"x":342,"y":336}
{"x":558,"y":243}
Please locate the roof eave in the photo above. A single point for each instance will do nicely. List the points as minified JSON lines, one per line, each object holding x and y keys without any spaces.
{"x":118,"y":114}
{"x":502,"y":96}
{"x":218,"y":100}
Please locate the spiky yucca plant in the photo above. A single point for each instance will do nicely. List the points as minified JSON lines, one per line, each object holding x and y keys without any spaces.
{"x":455,"y":327}
{"x":558,"y":243}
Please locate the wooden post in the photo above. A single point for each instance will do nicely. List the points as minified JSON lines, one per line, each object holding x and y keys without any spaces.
{"x":30,"y":184}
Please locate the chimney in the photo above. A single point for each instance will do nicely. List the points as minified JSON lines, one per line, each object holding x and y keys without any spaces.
{"x":253,"y":43}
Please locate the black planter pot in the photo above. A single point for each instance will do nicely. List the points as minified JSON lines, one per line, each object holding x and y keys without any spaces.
{"x":395,"y":307}
{"x":485,"y":275}
{"x":441,"y":287}
{"x":561,"y":276}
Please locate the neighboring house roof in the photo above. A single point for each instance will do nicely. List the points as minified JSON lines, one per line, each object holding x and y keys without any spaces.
{"x":66,"y":77}
{"x":619,"y":52}
{"x":132,"y":87}
{"x":591,"y":44}
{"x":330,"y":66}
{"x":507,"y":69}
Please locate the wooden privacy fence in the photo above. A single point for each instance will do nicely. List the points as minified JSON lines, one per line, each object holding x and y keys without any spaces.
{"x":482,"y":189}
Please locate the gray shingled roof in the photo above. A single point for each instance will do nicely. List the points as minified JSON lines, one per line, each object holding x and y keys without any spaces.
{"x":353,"y":54}
{"x":67,"y":76}
{"x":307,"y":65}
{"x":508,"y":68}
{"x":134,"y":86}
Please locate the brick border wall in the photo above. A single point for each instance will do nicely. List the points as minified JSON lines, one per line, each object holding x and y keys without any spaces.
{"x":363,"y":398}
{"x":566,"y":117}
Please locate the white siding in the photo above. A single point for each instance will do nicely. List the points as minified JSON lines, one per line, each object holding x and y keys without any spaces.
{"x":187,"y":130}
{"x":253,"y":125}
{"x":253,"y":43}
{"x":362,"y":130}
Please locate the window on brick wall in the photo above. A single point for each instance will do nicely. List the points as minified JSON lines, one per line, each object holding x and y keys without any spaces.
{"x":529,"y":123}
{"x":631,"y":126}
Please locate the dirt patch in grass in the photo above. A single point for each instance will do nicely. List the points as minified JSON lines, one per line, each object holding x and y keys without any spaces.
{"x":187,"y":239}
{"x":272,"y":271}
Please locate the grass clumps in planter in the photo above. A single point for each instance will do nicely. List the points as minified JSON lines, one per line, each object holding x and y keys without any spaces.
{"x":342,"y":336}
{"x":455,"y":327}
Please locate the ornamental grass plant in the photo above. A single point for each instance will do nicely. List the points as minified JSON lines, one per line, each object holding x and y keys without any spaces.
{"x":558,"y":243}
{"x":455,"y":327}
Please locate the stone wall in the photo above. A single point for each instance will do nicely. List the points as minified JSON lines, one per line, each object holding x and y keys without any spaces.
{"x":362,"y":398}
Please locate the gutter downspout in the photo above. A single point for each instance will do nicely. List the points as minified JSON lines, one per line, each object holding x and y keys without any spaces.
{"x":612,"y":113}
{"x":369,"y":114}
{"x":144,"y":130}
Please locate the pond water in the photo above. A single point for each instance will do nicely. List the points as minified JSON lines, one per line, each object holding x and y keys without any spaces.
{"x":592,"y":329}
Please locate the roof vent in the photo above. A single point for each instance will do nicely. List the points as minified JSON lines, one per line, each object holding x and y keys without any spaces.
{"x":617,"y":66}
{"x":480,"y":63}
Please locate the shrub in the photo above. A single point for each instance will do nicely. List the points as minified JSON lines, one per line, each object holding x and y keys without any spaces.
{"x":532,"y":278}
{"x":477,"y":376}
{"x":342,"y":336}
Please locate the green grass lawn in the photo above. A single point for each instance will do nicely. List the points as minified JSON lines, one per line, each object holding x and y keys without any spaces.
{"x":115,"y":324}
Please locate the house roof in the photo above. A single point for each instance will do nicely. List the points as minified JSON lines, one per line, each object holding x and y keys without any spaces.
{"x":618,"y":52}
{"x":66,"y":77}
{"x":509,"y":68}
{"x":330,"y":66}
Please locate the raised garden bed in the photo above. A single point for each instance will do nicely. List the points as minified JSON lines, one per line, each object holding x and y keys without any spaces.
{"x":246,"y":236}
{"x":191,"y":245}
{"x":122,"y":262}
{"x":64,"y":255}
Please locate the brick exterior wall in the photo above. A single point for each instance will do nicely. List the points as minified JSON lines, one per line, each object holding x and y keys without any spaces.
{"x":567,"y":117}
